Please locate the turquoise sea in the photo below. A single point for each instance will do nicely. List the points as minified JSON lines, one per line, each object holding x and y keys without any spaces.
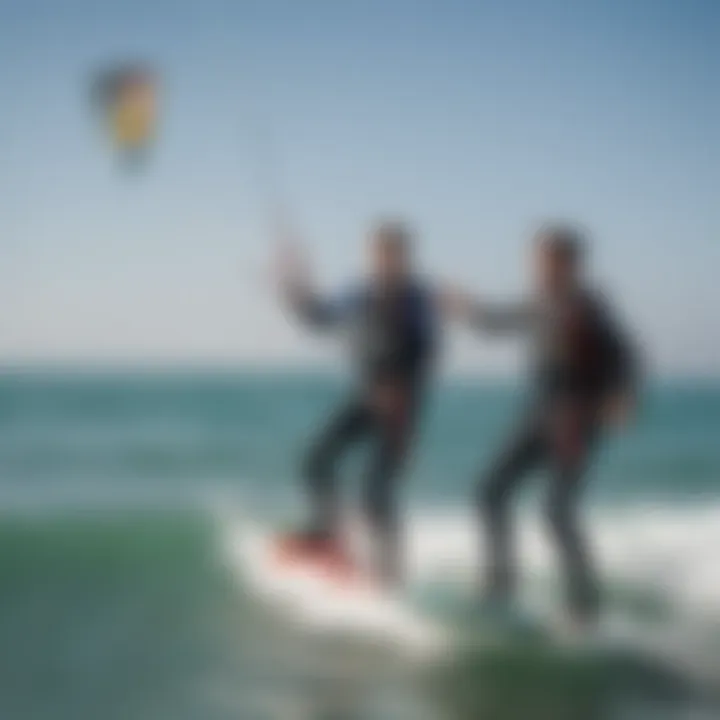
{"x":121,"y":493}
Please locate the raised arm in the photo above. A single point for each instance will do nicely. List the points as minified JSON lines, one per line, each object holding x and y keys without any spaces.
{"x":299,"y":294}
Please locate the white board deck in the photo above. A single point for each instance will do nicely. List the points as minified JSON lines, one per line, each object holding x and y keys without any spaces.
{"x":323,"y":604}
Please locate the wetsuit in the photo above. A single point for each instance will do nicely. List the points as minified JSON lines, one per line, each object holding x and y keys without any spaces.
{"x":392,"y":340}
{"x":582,"y":359}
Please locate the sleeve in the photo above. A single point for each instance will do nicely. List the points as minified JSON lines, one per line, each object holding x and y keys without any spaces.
{"x":505,"y":317}
{"x":324,"y":312}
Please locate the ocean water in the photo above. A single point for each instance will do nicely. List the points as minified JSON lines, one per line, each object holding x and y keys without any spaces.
{"x":123,"y":498}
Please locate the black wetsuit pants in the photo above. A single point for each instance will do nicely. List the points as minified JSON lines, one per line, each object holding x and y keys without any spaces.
{"x":539,"y":442}
{"x":388,"y":435}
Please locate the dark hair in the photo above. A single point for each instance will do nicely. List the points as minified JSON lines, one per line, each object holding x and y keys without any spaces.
{"x":393,"y":234}
{"x":565,"y":241}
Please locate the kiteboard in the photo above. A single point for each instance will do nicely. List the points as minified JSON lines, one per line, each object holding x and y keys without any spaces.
{"x":329,"y":588}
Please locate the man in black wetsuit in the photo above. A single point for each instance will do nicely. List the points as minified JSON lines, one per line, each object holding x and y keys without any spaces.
{"x":390,"y":321}
{"x":584,"y":377}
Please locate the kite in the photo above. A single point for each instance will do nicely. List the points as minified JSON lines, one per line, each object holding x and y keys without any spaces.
{"x":126,"y":98}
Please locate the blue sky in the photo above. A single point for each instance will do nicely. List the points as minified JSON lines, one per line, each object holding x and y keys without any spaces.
{"x":473,"y":119}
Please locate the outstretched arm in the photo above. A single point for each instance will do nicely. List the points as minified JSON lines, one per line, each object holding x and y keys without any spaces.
{"x":486,"y":316}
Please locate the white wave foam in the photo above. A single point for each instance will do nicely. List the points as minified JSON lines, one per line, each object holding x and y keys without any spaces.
{"x":670,"y":552}
{"x":675,"y":551}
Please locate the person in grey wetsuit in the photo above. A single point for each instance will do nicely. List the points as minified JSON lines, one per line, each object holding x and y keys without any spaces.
{"x":390,"y":321}
{"x":585,"y":376}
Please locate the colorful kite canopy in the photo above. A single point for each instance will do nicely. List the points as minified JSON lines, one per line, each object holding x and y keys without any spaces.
{"x":126,"y":97}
